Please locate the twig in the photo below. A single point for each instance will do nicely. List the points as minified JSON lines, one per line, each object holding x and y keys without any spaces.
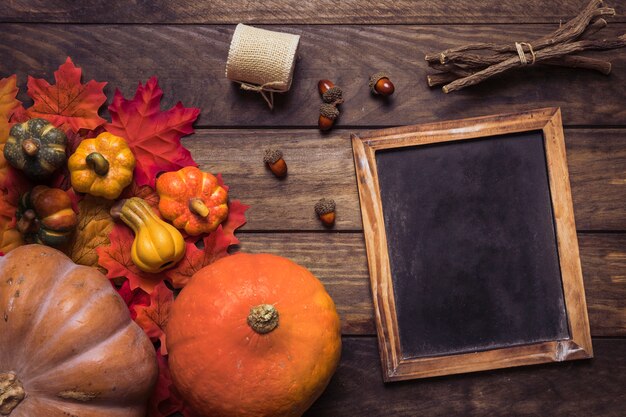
{"x":570,"y":61}
{"x":556,"y":51}
{"x":459,"y":67}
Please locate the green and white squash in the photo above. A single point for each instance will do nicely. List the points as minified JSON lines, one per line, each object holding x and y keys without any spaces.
{"x":36,"y":147}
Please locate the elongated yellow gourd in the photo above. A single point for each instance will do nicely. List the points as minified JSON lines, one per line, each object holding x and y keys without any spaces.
{"x":158,"y":245}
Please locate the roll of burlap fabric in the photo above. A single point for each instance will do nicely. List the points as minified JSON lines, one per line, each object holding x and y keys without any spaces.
{"x":262,"y":60}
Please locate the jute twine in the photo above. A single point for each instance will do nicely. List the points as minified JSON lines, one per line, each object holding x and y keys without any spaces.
{"x":522,"y":55}
{"x":262,"y":60}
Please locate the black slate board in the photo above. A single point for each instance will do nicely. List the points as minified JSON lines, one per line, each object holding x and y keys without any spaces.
{"x":472,"y":245}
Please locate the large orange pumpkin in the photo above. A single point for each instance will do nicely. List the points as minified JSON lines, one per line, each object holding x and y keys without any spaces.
{"x":67,"y":344}
{"x":253,"y":335}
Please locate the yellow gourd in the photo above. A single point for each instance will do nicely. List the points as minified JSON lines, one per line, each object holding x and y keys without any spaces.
{"x":157,"y":245}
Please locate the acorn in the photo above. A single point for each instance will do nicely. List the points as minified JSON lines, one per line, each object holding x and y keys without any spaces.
{"x":328,"y":114}
{"x":325,"y":210}
{"x":380,"y":84}
{"x":324,"y":85}
{"x":273,"y":158}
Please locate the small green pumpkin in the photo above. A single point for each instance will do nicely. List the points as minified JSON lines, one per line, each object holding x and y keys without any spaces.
{"x":45,"y":216}
{"x":36,"y":147}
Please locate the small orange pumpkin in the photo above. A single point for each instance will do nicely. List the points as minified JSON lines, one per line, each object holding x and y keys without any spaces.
{"x":253,"y":335}
{"x":192,"y":200}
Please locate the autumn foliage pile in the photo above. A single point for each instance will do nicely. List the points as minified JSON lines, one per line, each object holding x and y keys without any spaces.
{"x":154,"y":137}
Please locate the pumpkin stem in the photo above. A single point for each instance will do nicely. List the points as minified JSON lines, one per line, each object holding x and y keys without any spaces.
{"x":98,"y":163}
{"x":197,"y":206}
{"x":116,"y":210}
{"x":28,"y":222}
{"x":263,"y":318}
{"x":30,"y":147}
{"x":11,"y":392}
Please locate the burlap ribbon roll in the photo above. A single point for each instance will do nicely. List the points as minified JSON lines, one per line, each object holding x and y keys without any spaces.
{"x":262,"y":60}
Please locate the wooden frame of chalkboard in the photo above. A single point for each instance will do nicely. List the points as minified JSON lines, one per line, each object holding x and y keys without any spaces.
{"x":573,"y":341}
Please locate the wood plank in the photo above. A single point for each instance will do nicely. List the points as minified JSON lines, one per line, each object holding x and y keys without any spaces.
{"x":190,"y":61}
{"x":295,"y":12}
{"x":573,"y":389}
{"x":322,"y":166}
{"x":339,"y":261}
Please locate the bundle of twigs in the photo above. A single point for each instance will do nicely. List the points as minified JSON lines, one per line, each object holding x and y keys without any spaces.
{"x":457,"y":68}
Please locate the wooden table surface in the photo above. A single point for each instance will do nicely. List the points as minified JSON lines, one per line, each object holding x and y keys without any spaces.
{"x":185,"y":43}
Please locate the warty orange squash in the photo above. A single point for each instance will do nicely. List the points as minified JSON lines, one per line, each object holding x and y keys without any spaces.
{"x":67,"y":344}
{"x":253,"y":335}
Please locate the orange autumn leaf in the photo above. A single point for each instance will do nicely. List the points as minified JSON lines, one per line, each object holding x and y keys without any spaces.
{"x":214,"y":247}
{"x":68,"y":104}
{"x":115,"y":258}
{"x":8,"y":104}
{"x":153,"y":318}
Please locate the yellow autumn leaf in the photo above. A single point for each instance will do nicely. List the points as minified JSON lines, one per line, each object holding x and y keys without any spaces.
{"x":8,"y":103}
{"x":94,"y":225}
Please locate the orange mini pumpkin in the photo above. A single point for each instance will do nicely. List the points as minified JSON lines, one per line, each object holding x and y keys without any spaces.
{"x":192,"y":200}
{"x":253,"y":335}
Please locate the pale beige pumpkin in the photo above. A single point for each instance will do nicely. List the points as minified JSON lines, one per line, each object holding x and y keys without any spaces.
{"x":67,"y":343}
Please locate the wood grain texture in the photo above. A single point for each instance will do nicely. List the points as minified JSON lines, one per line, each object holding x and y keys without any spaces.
{"x":339,"y":261}
{"x":573,"y":389}
{"x":194,"y":74}
{"x":292,"y":11}
{"x":322,"y":166}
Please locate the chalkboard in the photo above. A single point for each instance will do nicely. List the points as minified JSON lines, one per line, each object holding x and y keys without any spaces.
{"x":470,"y":224}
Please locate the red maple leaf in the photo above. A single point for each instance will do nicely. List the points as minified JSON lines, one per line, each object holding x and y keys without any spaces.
{"x":236,"y":214}
{"x":153,"y":318}
{"x":213,"y":247}
{"x":236,"y":219}
{"x":12,"y":185}
{"x":166,"y":399}
{"x":142,"y":191}
{"x":62,"y":178}
{"x":68,"y":104}
{"x":115,"y":258}
{"x":132,"y":298}
{"x":153,"y":135}
{"x":20,"y":115}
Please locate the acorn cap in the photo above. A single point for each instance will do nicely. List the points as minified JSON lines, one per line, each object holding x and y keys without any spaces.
{"x":329,"y":110}
{"x":333,"y":95}
{"x":272,"y":156}
{"x":375,"y":78}
{"x":324,"y":206}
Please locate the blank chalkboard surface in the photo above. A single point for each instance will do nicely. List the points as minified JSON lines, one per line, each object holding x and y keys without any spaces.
{"x":471,"y":245}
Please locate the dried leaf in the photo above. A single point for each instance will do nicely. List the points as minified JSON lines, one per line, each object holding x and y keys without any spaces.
{"x":115,"y":258}
{"x":153,"y":135}
{"x":68,"y":104}
{"x":214,"y":247}
{"x":94,"y":225}
{"x":153,"y":318}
